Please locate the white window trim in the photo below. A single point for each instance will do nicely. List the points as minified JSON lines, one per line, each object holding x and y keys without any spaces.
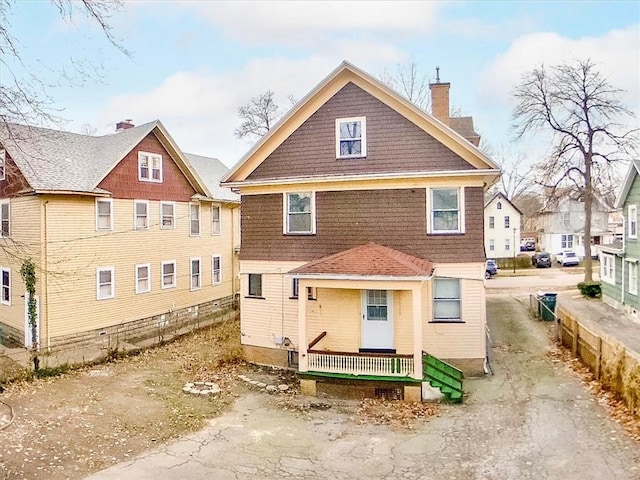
{"x":172,"y":227}
{"x":285,"y":210}
{"x":2,"y":300}
{"x":632,"y":287}
{"x":175,"y":274}
{"x":461,"y":212}
{"x":135,"y":214}
{"x":112,"y":270}
{"x":633,"y":218}
{"x":607,"y":258}
{"x":3,"y":163}
{"x":151,"y":156}
{"x":199,"y":286}
{"x":148,"y":266}
{"x":492,"y":245}
{"x":363,"y":137}
{"x":8,"y":203}
{"x":110,"y":202}
{"x":219,"y":208}
{"x":213,"y":276}
{"x":199,"y":210}
{"x":459,"y":300}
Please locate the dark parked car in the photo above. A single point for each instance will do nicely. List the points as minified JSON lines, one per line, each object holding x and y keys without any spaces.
{"x":541,"y":260}
{"x":491,"y":269}
{"x":528,"y":247}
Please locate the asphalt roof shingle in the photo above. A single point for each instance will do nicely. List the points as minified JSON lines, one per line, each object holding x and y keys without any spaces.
{"x":368,"y":260}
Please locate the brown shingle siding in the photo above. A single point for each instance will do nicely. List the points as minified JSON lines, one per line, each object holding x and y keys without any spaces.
{"x":346,"y":219}
{"x":394,"y":144}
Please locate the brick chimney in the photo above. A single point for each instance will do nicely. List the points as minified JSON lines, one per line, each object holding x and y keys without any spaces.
{"x":124,"y":125}
{"x":440,"y":99}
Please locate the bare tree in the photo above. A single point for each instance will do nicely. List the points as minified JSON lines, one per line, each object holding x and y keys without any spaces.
{"x":24,"y":97}
{"x":410,"y":82}
{"x":576,"y":104}
{"x":258,"y":116}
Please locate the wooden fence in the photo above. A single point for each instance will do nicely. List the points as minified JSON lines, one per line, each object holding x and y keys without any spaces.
{"x":611,"y":363}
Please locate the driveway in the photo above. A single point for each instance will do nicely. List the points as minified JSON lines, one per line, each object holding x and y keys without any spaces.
{"x":533,"y":419}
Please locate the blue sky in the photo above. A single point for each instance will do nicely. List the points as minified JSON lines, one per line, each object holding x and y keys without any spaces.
{"x":194,"y":63}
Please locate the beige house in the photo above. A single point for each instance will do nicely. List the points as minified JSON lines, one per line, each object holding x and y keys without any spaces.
{"x":131,"y":238}
{"x":501,"y":227}
{"x":362,"y":240}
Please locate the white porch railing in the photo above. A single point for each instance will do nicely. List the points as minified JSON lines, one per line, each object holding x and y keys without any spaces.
{"x":361,"y":364}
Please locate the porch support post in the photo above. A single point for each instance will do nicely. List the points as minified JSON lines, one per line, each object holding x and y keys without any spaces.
{"x":303,"y":360}
{"x":416,"y":300}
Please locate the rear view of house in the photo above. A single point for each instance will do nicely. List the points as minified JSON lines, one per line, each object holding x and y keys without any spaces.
{"x":362,"y":252}
{"x":131,"y":238}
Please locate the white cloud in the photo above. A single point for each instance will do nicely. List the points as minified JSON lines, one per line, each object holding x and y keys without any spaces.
{"x":310,"y":22}
{"x":200,"y":108}
{"x":616,"y":53}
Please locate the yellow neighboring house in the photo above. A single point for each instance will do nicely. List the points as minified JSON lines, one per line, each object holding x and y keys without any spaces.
{"x":131,"y":238}
{"x":363,"y":241}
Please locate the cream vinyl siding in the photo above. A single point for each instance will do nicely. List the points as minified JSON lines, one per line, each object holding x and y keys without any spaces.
{"x":276,"y":315}
{"x":337,"y":310}
{"x":76,"y":250}
{"x":25,"y":242}
{"x":458,"y":340}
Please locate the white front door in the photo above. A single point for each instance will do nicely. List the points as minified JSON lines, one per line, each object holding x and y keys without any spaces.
{"x":377,"y":320}
{"x":28,"y":336}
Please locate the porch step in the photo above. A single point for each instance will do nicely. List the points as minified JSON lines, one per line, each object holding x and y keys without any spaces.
{"x":443,"y":376}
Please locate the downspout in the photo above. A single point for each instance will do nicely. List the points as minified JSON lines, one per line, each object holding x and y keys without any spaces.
{"x":622,"y":257}
{"x":45,"y":278}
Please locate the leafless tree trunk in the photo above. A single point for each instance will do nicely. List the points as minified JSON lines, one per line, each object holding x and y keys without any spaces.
{"x":576,"y":104}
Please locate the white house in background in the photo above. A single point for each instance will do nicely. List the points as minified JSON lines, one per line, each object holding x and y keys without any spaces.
{"x":501,"y":227}
{"x":561,"y":224}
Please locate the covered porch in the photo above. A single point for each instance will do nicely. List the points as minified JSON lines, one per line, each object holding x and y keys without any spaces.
{"x":361,"y":314}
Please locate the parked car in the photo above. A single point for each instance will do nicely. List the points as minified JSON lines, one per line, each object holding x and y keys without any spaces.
{"x":528,"y":246}
{"x":567,"y":258}
{"x":491,"y":269}
{"x":541,"y":260}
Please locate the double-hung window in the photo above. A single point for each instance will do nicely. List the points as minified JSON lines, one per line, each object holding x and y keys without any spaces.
{"x":196,"y":274}
{"x":3,"y":164}
{"x":141,"y":220}
{"x":216,"y":269}
{"x":633,"y":221}
{"x":445,"y":213}
{"x":105,"y":283}
{"x":608,"y":268}
{"x":507,"y":221}
{"x":633,"y":277}
{"x":255,"y":285}
{"x":566,"y":241}
{"x":295,"y":287}
{"x":492,"y":245}
{"x":446,"y":300}
{"x":5,"y":218}
{"x":6,"y":286}
{"x":215,"y":220}
{"x":507,"y":244}
{"x":167,"y":215}
{"x":104,"y":214}
{"x":143,"y":278}
{"x":351,"y":137}
{"x":299,"y":213}
{"x":194,"y":216}
{"x":492,"y":222}
{"x":169,"y":274}
{"x":149,"y":167}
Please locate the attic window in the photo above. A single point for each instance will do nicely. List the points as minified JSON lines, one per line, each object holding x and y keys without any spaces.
{"x":149,"y":167}
{"x":351,"y":137}
{"x":499,"y":206}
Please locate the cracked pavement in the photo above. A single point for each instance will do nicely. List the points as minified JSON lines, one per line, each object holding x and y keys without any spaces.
{"x":533,"y":419}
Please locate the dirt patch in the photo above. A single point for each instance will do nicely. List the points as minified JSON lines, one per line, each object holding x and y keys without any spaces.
{"x":91,"y":418}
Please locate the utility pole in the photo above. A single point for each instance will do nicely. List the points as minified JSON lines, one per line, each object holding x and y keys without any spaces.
{"x":514,"y":249}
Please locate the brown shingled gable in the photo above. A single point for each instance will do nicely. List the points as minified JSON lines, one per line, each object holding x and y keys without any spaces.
{"x":368,"y":260}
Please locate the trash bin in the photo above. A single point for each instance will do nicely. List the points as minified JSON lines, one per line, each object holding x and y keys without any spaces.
{"x":548,"y":300}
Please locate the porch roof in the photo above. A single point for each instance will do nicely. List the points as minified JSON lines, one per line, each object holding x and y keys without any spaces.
{"x":369,"y":260}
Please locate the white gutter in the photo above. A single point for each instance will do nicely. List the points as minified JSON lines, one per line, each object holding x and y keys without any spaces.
{"x":390,"y":278}
{"x":352,"y":178}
